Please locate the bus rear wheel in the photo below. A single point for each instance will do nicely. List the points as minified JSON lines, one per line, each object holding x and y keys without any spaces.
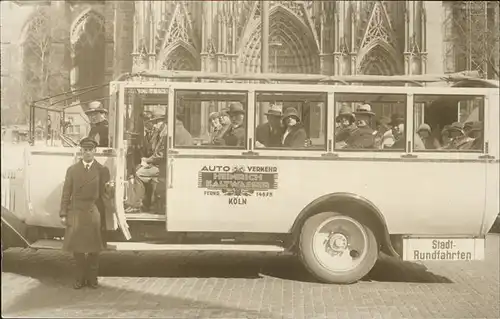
{"x":337,"y":248}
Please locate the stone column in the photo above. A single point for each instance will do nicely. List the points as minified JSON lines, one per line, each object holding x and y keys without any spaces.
{"x":435,"y":28}
{"x":109,"y":19}
{"x":124,"y":37}
{"x":59,"y":64}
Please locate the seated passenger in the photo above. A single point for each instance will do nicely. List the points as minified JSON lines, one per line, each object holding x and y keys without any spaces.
{"x":445,"y":136}
{"x":100,"y":126}
{"x":458,"y":137}
{"x":475,"y":132}
{"x":295,"y":135}
{"x":214,"y":124}
{"x":398,"y":131}
{"x":182,"y":136}
{"x":345,"y":124}
{"x":235,"y":133}
{"x":383,"y":135}
{"x":425,"y":133}
{"x":362,"y":137}
{"x":269,"y":134}
{"x":153,"y":168}
{"x":147,"y":140}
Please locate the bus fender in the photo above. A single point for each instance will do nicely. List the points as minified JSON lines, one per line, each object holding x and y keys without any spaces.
{"x":365,"y":210}
{"x":14,"y":231}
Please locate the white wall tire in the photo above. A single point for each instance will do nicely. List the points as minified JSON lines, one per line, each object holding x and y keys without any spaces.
{"x":336,"y":248}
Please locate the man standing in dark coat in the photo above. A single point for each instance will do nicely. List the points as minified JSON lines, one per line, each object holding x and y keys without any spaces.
{"x":100,"y":126}
{"x":83,"y":191}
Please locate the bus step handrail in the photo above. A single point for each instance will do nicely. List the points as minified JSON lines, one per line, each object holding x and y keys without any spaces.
{"x":487,"y":157}
{"x":408,"y":155}
{"x":250,"y":153}
{"x":329,"y":154}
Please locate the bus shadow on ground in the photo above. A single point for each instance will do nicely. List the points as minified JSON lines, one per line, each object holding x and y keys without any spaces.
{"x":390,"y":269}
{"x":205,"y":265}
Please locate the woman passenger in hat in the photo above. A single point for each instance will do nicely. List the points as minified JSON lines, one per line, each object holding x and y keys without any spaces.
{"x":425,"y":133}
{"x":215,"y":125}
{"x":295,"y":135}
{"x":346,"y":125}
{"x":100,"y":126}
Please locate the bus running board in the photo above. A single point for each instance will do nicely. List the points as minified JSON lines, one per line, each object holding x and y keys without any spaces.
{"x":128,"y":246}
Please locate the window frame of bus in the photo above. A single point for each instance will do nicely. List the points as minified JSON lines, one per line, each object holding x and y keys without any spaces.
{"x":244,"y":93}
{"x":376,"y":150}
{"x":471,"y":96}
{"x":294,"y":92}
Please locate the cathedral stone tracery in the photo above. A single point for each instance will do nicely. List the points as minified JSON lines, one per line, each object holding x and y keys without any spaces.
{"x":108,"y":38}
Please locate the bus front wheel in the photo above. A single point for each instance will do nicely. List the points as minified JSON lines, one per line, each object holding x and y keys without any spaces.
{"x":337,"y":248}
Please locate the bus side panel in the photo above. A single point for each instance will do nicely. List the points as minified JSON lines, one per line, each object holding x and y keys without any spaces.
{"x":46,"y":171}
{"x":415,"y":197}
{"x":492,"y":135}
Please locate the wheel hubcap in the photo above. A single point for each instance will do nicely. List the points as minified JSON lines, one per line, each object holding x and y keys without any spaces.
{"x":340,"y":243}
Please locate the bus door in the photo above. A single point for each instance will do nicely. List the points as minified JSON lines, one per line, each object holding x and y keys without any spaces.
{"x":198,"y":196}
{"x":117,"y":167}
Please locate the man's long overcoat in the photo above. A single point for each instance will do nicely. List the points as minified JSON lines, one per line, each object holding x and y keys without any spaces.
{"x":83,"y":201}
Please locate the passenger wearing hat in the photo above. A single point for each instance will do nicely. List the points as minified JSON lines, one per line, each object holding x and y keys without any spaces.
{"x":364,"y":116}
{"x":269,"y":134}
{"x":147,"y":140}
{"x":458,"y":137}
{"x":425,"y":133}
{"x":383,"y":134}
{"x":346,"y":124}
{"x":99,"y":124}
{"x":235,"y":135}
{"x":445,"y":136}
{"x":476,"y":132}
{"x":398,"y":131}
{"x":362,"y":137}
{"x":214,"y":121}
{"x":295,"y":135}
{"x":84,"y":201}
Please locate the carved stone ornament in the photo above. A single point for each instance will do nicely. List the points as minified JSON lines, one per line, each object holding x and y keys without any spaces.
{"x":211,"y":47}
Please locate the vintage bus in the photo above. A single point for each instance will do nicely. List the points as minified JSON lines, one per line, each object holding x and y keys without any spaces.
{"x":336,"y":208}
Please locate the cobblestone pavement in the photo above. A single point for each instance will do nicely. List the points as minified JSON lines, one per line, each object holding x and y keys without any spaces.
{"x":38,"y":284}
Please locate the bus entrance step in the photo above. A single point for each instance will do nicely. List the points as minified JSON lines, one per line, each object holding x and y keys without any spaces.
{"x":131,"y":246}
{"x":47,"y":244}
{"x":128,"y":246}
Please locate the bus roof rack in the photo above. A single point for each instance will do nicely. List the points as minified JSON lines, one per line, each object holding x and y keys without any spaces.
{"x":467,"y":76}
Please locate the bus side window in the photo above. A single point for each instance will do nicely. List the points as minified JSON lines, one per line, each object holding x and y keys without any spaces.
{"x":210,"y":119}
{"x":370,"y":121}
{"x":290,"y":120}
{"x":448,"y":123}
